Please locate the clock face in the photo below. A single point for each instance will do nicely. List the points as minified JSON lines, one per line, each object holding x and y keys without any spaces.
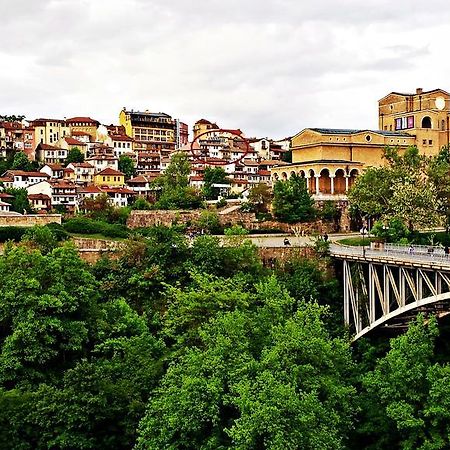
{"x":440,"y":103}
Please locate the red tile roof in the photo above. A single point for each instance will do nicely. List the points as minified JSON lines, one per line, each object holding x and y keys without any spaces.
{"x":38,"y":197}
{"x":55,"y":166}
{"x":80,"y":133}
{"x":91,"y":189}
{"x":121,"y":137}
{"x":72,"y":141}
{"x":110,"y":171}
{"x":84,"y":165}
{"x":23,"y":173}
{"x":116,"y":190}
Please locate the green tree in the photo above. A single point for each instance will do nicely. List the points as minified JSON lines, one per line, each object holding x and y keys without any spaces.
{"x":261,"y":375}
{"x":19,"y":202}
{"x":292,"y":202}
{"x":40,"y":237}
{"x":439,"y":175}
{"x":175,"y":192}
{"x":21,"y":162}
{"x":213,"y":175}
{"x":399,"y":190}
{"x":404,"y":399}
{"x":47,"y":303}
{"x":260,"y":197}
{"x":209,"y":222}
{"x":126,"y":166}
{"x":74,"y":155}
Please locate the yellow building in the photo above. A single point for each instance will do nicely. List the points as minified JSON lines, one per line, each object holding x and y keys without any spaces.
{"x":202,"y":126}
{"x":424,"y":114}
{"x":85,"y":125}
{"x":109,"y":177}
{"x":150,"y":131}
{"x":331,"y":159}
{"x":49,"y":131}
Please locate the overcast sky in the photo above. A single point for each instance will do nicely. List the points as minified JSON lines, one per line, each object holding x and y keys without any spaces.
{"x":268,"y":67}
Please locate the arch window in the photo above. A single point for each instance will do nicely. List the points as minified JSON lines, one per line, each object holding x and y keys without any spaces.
{"x":426,"y":122}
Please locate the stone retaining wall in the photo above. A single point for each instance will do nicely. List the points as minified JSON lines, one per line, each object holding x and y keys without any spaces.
{"x":138,"y":219}
{"x":29,"y":220}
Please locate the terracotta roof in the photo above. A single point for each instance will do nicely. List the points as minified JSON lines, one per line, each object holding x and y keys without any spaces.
{"x":264,"y":173}
{"x":24,"y":173}
{"x":121,"y":137}
{"x":62,"y":184}
{"x":84,"y":165}
{"x":196,"y":178}
{"x":138,"y":179}
{"x":55,"y":166}
{"x":272,"y":162}
{"x":4,"y":203}
{"x":91,"y":189}
{"x":38,"y":197}
{"x":72,"y":141}
{"x":69,"y":170}
{"x":110,"y":171}
{"x":6,"y":180}
{"x":112,"y":190}
{"x":5,"y":195}
{"x":80,"y":133}
{"x":48,"y":147}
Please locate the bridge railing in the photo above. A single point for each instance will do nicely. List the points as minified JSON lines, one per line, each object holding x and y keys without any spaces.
{"x":395,"y":251}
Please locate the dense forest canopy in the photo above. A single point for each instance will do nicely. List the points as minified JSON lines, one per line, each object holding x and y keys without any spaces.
{"x":178,"y":346}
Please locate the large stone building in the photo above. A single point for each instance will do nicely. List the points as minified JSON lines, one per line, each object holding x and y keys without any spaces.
{"x":424,"y":114}
{"x":330,"y":159}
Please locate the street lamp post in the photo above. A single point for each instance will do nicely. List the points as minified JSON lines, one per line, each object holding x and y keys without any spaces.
{"x":363,"y":233}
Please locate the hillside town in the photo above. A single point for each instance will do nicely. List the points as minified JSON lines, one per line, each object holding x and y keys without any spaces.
{"x":328,"y":159}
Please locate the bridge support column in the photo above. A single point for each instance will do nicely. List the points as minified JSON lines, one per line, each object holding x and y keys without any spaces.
{"x":386,"y":290}
{"x":346,"y":293}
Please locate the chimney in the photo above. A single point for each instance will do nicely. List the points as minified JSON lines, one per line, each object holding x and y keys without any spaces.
{"x":419,"y":91}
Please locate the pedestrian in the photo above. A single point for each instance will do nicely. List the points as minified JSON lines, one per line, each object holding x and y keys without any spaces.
{"x":446,"y":251}
{"x":411,"y":249}
{"x":286,"y":242}
{"x":325,"y":237}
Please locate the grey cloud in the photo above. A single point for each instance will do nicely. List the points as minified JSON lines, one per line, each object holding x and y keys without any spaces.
{"x":268,"y":67}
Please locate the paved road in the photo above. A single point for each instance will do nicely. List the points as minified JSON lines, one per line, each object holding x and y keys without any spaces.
{"x":302,"y":241}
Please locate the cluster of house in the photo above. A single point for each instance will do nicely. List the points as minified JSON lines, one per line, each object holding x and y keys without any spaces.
{"x":328,"y":159}
{"x":148,"y":139}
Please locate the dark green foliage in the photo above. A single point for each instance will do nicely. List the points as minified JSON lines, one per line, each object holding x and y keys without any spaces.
{"x":21,"y":162}
{"x":12,"y":233}
{"x":330,"y":211}
{"x":83,"y":225}
{"x":141,"y":204}
{"x":174,"y":189}
{"x":213,"y":175}
{"x":262,"y":375}
{"x":19,"y":202}
{"x":74,"y":155}
{"x":292,"y":202}
{"x":126,"y":166}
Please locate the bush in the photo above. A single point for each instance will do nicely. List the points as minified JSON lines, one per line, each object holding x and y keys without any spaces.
{"x":221,"y":203}
{"x":235,"y":230}
{"x":209,"y":221}
{"x":82,"y":225}
{"x":12,"y":233}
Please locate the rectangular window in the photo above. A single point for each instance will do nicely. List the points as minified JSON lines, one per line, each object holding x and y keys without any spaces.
{"x":410,"y":121}
{"x":430,"y":142}
{"x":398,"y":124}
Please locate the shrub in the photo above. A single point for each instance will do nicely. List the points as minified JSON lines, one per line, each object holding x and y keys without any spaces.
{"x":12,"y":233}
{"x":82,"y":225}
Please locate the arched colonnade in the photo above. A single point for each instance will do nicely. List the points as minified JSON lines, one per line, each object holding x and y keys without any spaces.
{"x":326,"y":181}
